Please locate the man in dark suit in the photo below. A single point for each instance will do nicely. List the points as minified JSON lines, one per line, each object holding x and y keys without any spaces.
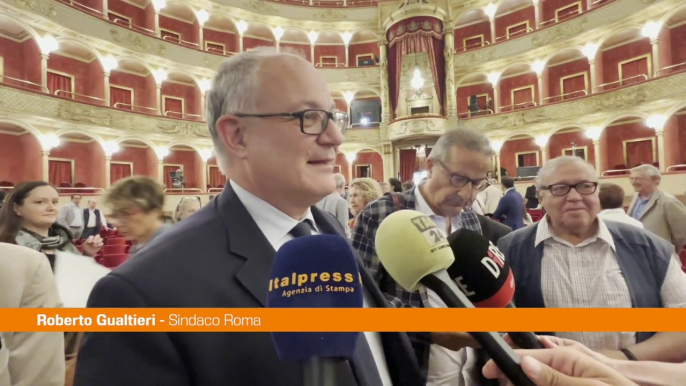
{"x":531,"y":196}
{"x":279,"y":150}
{"x":511,"y":207}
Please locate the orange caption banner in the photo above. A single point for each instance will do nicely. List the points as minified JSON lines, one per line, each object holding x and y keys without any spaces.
{"x":325,"y":319}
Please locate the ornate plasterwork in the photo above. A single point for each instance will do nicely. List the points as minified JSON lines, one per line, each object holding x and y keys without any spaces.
{"x":137,"y":42}
{"x":367,"y":136}
{"x":565,"y":31}
{"x":416,"y":126}
{"x":45,"y":7}
{"x":329,"y":15}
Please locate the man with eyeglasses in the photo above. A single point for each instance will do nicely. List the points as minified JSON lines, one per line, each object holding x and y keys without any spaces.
{"x":457,"y":168}
{"x":276,"y":133}
{"x":574,"y":259}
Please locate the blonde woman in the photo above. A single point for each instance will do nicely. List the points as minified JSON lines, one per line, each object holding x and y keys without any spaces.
{"x":362,"y":192}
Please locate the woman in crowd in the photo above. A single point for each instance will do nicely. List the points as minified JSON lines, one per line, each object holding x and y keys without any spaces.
{"x":29,"y":219}
{"x":137,"y":204}
{"x":362,"y":192}
{"x":395,"y":186}
{"x":187,"y":206}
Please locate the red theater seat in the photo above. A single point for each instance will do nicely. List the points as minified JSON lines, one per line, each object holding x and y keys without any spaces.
{"x":115,"y":241}
{"x":115,"y":260}
{"x":6,"y":184}
{"x":113,"y":249}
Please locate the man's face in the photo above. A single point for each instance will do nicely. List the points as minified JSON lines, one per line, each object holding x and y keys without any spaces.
{"x":76,"y":200}
{"x":92,"y":204}
{"x":442,"y":194}
{"x":642,"y":183}
{"x":279,"y":156}
{"x":384,"y":186}
{"x":573,"y":212}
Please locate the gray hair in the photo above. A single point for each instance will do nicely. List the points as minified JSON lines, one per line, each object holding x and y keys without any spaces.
{"x":233,"y":90}
{"x":461,"y":137}
{"x":551,"y":166}
{"x":649,"y":170}
{"x":340,"y":180}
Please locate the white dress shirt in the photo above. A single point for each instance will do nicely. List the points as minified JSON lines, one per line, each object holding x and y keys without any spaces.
{"x":619,"y":215}
{"x":91,"y":218}
{"x":446,"y":367}
{"x":276,"y":225}
{"x":588,"y":276}
{"x":77,"y":222}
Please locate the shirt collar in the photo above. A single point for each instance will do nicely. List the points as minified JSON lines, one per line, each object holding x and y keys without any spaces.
{"x":421,"y":205}
{"x":545,"y":232}
{"x":509,"y":190}
{"x":613,"y":211}
{"x":274,"y":223}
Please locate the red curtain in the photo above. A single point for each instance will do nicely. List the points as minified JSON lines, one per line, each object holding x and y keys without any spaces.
{"x":216,"y":177}
{"x":59,"y":82}
{"x":408,"y":160}
{"x":528,"y":159}
{"x":59,"y":172}
{"x":631,"y":69}
{"x":120,"y":95}
{"x":119,"y":171}
{"x":639,"y":152}
{"x":413,"y":36}
{"x":522,"y":96}
{"x":574,"y":84}
{"x":167,"y":179}
{"x":174,"y":107}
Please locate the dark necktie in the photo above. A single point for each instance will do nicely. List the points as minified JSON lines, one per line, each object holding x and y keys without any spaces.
{"x":363,"y":363}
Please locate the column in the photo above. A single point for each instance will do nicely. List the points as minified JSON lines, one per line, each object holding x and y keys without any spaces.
{"x":46,"y":169}
{"x":589,"y":5}
{"x":537,"y":10}
{"x":107,"y":88}
{"x":492,"y":21}
{"x":450,"y":92}
{"x":278,"y":45}
{"x":107,"y":171}
{"x":496,"y":98}
{"x":203,"y":101}
{"x":349,"y":172}
{"x":105,"y":9}
{"x":661,"y":150}
{"x":312,"y":58}
{"x":388,"y":170}
{"x":203,"y":177}
{"x":157,"y":24}
{"x":541,"y":90}
{"x":201,"y":37}
{"x":383,"y":75}
{"x":347,"y":55}
{"x":44,"y":72}
{"x":656,"y":61}
{"x":596,"y":158}
{"x":240,"y":42}
{"x":159,"y":99}
{"x":497,"y":167}
{"x":544,"y":155}
{"x":594,"y":77}
{"x":160,"y":171}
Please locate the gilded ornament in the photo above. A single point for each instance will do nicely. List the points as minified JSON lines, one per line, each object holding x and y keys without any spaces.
{"x":260,"y":6}
{"x":329,"y":14}
{"x":413,"y":26}
{"x":46,"y":7}
{"x":560,"y":32}
{"x":74,"y":112}
{"x":137,"y":42}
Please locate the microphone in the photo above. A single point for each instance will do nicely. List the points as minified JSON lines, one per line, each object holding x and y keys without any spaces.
{"x":415,"y":253}
{"x":483,"y":274}
{"x":317,"y":271}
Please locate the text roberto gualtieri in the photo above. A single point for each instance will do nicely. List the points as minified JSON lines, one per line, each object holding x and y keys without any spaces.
{"x":133,"y":320}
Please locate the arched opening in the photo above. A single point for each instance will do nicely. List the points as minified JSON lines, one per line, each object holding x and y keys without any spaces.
{"x":556,"y":11}
{"x":571,"y":141}
{"x":672,"y":44}
{"x":219,"y":35}
{"x":363,"y":49}
{"x":75,"y":72}
{"x":626,"y":58}
{"x":411,"y":157}
{"x":567,"y":74}
{"x":134,"y":158}
{"x":365,"y":109}
{"x":21,"y":155}
{"x":19,"y":56}
{"x":138,"y":15}
{"x":675,"y":140}
{"x":472,"y":30}
{"x":215,"y":179}
{"x":474,"y":96}
{"x":520,"y":156}
{"x":258,"y":35}
{"x":330,"y":50}
{"x":368,"y":164}
{"x":294,"y":40}
{"x":342,"y":166}
{"x":339,"y":100}
{"x":514,"y":18}
{"x":178,"y":24}
{"x":79,"y":162}
{"x":628,"y":142}
{"x":181,"y":98}
{"x":518,"y":87}
{"x":132,"y":87}
{"x":186,"y":159}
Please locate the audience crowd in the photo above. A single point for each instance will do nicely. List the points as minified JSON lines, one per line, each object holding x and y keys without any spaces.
{"x":571,"y":242}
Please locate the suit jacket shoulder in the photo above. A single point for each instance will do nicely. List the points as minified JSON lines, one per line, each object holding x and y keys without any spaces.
{"x":493,"y":230}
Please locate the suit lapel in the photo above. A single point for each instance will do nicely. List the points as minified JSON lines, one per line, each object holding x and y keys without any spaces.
{"x":247,"y":241}
{"x":651,"y":203}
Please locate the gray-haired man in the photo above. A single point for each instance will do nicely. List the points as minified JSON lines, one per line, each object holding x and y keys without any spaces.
{"x":334,"y":203}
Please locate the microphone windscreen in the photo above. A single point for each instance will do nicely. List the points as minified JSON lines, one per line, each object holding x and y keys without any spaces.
{"x":410,"y":247}
{"x":480,"y":270}
{"x":317,"y":271}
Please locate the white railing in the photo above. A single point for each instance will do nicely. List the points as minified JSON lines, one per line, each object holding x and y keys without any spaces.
{"x":320,"y":64}
{"x":471,"y":114}
{"x":681,"y":166}
{"x":182,"y":190}
{"x":669,"y":68}
{"x":176,"y":40}
{"x":134,"y":107}
{"x":569,"y":94}
{"x":370,"y":124}
{"x":176,"y":114}
{"x":6,"y":187}
{"x":76,"y":190}
{"x":644,"y":76}
{"x":515,"y":34}
{"x":564,"y":17}
{"x":214,"y":190}
{"x":216,"y":50}
{"x":58,"y":92}
{"x":481,"y":44}
{"x":133,"y":26}
{"x":615,"y":172}
{"x":523,"y":105}
{"x":43,"y":88}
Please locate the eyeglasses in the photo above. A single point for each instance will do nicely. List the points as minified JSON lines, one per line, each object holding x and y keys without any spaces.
{"x":459,"y":181}
{"x":312,"y":122}
{"x":584,"y":188}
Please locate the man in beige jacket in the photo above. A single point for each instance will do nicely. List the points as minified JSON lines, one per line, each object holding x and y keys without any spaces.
{"x":659,"y":212}
{"x":29,"y":358}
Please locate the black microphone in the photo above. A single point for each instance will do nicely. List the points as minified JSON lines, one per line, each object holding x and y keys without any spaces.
{"x":483,"y":274}
{"x":415,"y":253}
{"x":315,"y":272}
